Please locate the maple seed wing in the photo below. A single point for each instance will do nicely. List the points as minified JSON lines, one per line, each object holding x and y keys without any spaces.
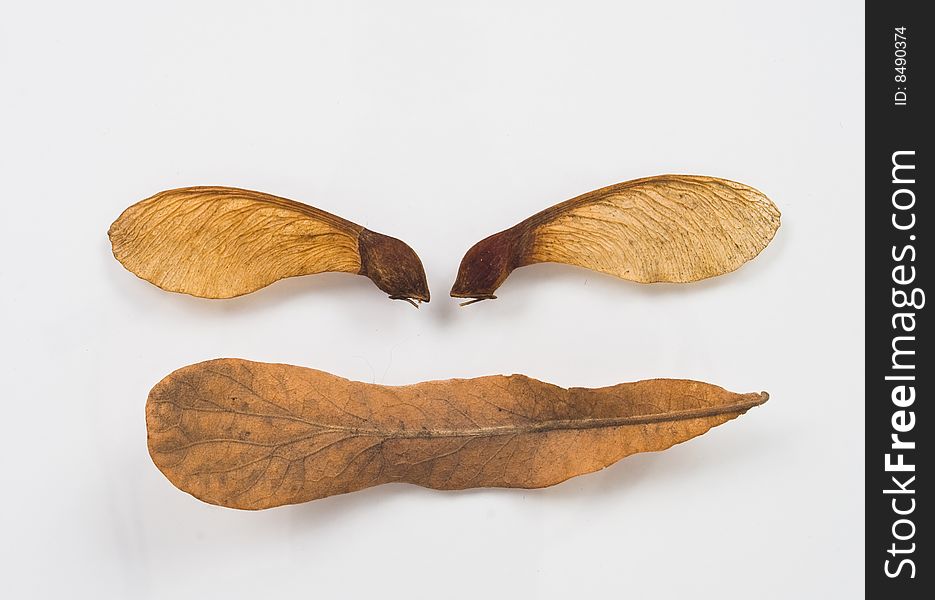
{"x":670,"y":228}
{"x":217,"y":242}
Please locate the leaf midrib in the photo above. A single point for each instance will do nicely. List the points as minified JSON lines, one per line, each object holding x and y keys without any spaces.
{"x":511,"y":429}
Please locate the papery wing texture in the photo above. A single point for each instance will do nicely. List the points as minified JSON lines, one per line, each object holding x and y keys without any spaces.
{"x":217,"y":242}
{"x":672,"y":228}
{"x":254,"y":435}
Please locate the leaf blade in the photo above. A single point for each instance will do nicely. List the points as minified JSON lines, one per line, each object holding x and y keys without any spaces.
{"x":254,"y":435}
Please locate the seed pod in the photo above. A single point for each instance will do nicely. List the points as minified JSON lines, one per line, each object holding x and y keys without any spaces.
{"x":217,"y":242}
{"x":253,"y":435}
{"x":672,"y":228}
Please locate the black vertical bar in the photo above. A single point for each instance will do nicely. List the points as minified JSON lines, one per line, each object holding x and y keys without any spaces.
{"x":898,"y":371}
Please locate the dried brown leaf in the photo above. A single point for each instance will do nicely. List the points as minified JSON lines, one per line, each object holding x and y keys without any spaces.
{"x":255,"y":435}
{"x":217,"y":242}
{"x":669,"y":228}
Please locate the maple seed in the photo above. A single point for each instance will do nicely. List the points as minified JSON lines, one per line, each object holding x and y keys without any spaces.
{"x":669,"y":228}
{"x":217,"y":242}
{"x":254,"y":435}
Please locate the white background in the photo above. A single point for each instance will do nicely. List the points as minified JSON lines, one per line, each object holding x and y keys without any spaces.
{"x":438,"y":124}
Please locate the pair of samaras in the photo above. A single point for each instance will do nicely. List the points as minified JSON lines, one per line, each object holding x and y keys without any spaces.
{"x":218,"y":242}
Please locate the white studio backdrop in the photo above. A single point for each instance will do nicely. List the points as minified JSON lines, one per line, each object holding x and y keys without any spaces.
{"x":438,"y":123}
